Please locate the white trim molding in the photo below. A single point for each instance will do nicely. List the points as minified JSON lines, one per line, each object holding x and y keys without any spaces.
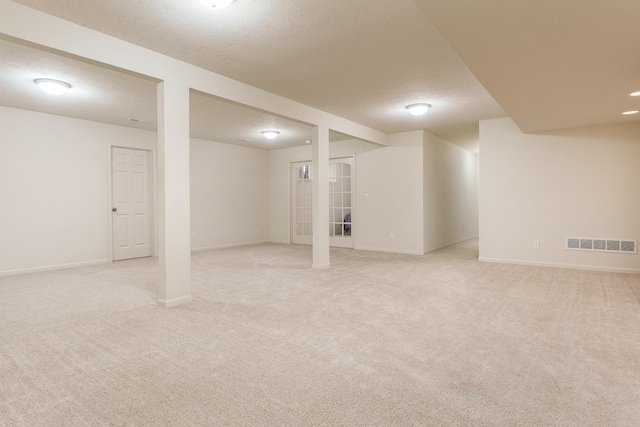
{"x":175,"y":302}
{"x":561,"y":265}
{"x":54,"y":267}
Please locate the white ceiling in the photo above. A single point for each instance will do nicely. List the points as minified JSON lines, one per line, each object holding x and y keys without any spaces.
{"x":98,"y":93}
{"x":364,"y":60}
{"x":550,"y":64}
{"x":111,"y":96}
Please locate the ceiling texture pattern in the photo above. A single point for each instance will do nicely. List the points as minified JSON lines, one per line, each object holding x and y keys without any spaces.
{"x":550,"y":64}
{"x":363,"y":60}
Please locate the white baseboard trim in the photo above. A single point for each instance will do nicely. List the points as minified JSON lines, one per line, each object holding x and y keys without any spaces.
{"x":53,"y":267}
{"x":561,"y":265}
{"x":279,"y":242}
{"x":451,"y":244}
{"x":232,"y":245}
{"x":320,"y":266}
{"x":175,"y":301}
{"x":390,"y":251}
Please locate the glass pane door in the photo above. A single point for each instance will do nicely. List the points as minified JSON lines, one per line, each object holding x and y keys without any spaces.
{"x":340,"y":202}
{"x":301,"y":200}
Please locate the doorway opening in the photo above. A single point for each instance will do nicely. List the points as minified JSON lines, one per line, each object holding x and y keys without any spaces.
{"x":131,"y":203}
{"x":341,"y":220}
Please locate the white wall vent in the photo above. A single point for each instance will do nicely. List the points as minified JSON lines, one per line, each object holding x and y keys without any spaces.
{"x":628,"y":246}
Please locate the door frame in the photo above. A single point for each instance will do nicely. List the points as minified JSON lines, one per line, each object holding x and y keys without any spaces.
{"x":153,"y":208}
{"x":292,"y":206}
{"x":353,"y":203}
{"x":354,"y":198}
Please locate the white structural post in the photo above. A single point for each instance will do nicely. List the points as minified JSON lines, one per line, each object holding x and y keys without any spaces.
{"x":174,"y":210}
{"x":320,"y":201}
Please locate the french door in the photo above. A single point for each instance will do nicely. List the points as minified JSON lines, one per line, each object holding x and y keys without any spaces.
{"x":340,"y":202}
{"x":301,"y":180}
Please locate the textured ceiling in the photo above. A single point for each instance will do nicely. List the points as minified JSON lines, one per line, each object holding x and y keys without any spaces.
{"x":364,"y":60}
{"x":550,"y":64}
{"x":110,"y":96}
{"x":98,"y":93}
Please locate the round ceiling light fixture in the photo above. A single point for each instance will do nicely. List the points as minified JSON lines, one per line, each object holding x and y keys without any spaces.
{"x":628,"y":113}
{"x":52,"y":87}
{"x":635,"y":93}
{"x":270,"y":134}
{"x":216,"y":4}
{"x":418,"y":109}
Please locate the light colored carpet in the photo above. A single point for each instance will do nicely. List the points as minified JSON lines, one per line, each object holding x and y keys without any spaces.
{"x":378,"y":339}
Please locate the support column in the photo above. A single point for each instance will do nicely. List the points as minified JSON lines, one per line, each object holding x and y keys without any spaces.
{"x":174,"y":209}
{"x":320,"y":198}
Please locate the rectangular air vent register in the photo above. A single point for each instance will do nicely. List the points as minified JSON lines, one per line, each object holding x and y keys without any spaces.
{"x":626,"y":246}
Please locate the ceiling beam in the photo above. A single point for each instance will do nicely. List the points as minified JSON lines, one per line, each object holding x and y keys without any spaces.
{"x":32,"y":26}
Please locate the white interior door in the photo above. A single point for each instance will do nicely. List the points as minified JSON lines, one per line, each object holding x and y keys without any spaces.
{"x":340,"y":202}
{"x":131,"y":203}
{"x":301,"y":179}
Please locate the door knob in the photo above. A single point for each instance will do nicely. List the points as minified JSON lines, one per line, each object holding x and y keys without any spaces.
{"x":114,"y":209}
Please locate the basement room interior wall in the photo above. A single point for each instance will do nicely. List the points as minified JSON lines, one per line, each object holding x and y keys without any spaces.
{"x":229,"y":195}
{"x":55,"y":172}
{"x":389,"y":196}
{"x":451,"y":193}
{"x":54,"y":181}
{"x":582,"y":182}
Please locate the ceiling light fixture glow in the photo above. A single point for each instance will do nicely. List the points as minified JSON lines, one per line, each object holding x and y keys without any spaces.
{"x":418,"y":109}
{"x":52,"y":87}
{"x":216,"y":4}
{"x":270,"y":134}
{"x":628,"y":113}
{"x":635,"y":93}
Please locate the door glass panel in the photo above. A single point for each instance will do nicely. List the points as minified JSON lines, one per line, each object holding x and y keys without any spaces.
{"x":304,"y":173}
{"x":346,"y":185}
{"x":346,"y":197}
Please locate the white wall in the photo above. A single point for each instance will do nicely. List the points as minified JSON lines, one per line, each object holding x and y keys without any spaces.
{"x":229,"y":195}
{"x":279,"y":185}
{"x":54,"y":180}
{"x":54,"y":185}
{"x":580,"y":182}
{"x":450,"y":186}
{"x":392,"y":177}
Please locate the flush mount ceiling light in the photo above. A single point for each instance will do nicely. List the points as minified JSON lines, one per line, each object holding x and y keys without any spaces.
{"x":635,"y":93}
{"x":52,"y":87}
{"x":628,"y":113}
{"x":270,"y":134}
{"x":418,"y":109}
{"x":216,"y":4}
